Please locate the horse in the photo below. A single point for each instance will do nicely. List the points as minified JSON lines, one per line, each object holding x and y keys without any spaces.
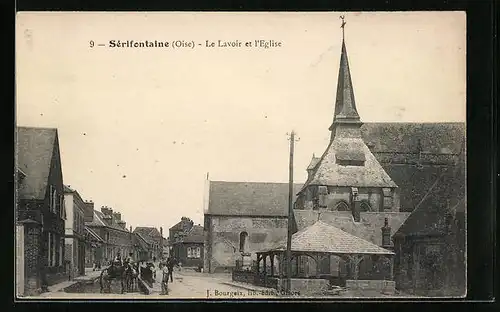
{"x":113,"y":272}
{"x":131,"y":274}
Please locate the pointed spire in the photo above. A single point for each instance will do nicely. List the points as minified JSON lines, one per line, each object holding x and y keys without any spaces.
{"x":345,"y":105}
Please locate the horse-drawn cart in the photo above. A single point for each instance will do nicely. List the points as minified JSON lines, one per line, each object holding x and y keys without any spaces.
{"x":124,"y":273}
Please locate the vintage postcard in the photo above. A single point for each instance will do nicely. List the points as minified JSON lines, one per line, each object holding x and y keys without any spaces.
{"x":213,"y":155}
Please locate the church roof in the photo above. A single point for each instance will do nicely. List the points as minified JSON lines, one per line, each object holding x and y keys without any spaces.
{"x":330,"y":173}
{"x":397,"y":145}
{"x":410,"y":137}
{"x":446,"y":195}
{"x":323,"y":237}
{"x":313,"y":163}
{"x":345,"y":105}
{"x":249,"y":198}
{"x":35,"y":149}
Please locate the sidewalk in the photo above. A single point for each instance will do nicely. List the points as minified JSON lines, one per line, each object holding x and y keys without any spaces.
{"x":89,"y":276}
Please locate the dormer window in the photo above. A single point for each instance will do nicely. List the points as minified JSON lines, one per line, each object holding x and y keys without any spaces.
{"x":346,"y":157}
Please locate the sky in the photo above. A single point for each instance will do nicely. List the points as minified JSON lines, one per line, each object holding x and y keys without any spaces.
{"x":139,"y":129}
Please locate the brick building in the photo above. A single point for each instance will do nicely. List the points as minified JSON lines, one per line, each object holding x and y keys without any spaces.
{"x":75,"y":238}
{"x":143,"y":247}
{"x":40,"y":210}
{"x":109,"y":226}
{"x":154,"y":238}
{"x":188,"y":248}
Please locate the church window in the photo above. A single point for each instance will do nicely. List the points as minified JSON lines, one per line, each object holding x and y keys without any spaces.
{"x":341,"y":206}
{"x":365,"y":206}
{"x":243,"y":238}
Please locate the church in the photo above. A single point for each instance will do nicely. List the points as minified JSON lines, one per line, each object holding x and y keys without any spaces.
{"x":385,"y":183}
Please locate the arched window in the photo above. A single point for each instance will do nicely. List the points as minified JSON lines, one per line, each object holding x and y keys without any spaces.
{"x":341,"y":206}
{"x":365,"y":206}
{"x":243,"y":238}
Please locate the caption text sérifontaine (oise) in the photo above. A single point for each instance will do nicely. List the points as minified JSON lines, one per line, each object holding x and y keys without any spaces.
{"x":189,"y":44}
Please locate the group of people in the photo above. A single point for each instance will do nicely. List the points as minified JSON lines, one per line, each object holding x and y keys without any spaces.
{"x":166,"y":266}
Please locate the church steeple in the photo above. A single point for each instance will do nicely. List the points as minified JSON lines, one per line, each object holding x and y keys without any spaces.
{"x":345,"y":105}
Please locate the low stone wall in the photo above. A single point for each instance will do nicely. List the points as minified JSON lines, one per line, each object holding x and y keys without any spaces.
{"x":243,"y":276}
{"x":305,"y":286}
{"x":383,"y":286}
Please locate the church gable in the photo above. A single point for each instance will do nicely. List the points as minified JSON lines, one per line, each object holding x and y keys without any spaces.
{"x":349,"y":162}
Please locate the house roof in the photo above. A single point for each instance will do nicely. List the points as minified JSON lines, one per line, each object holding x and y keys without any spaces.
{"x":195,"y":235}
{"x":249,"y":198}
{"x":35,"y":149}
{"x":93,"y":234}
{"x":369,"y":227}
{"x":147,"y":231}
{"x":97,"y":220}
{"x":177,"y":226}
{"x":322,"y":237}
{"x":142,"y":241}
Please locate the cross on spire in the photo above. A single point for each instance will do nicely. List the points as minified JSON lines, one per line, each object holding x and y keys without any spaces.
{"x":342,"y":17}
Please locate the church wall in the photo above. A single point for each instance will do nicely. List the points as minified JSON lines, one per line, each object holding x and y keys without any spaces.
{"x":379,"y":202}
{"x":223,"y":248}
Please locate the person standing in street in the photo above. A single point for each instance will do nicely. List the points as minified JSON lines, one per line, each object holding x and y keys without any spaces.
{"x":170,"y":268}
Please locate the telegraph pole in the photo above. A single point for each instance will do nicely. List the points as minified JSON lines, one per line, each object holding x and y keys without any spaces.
{"x":290,"y":214}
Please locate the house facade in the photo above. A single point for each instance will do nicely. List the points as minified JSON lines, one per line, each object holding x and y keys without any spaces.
{"x":40,"y":210}
{"x":75,"y":234}
{"x":188,"y":249}
{"x":241,"y":218}
{"x":143,"y":248}
{"x":109,"y":226}
{"x":154,"y":238}
{"x":94,"y":248}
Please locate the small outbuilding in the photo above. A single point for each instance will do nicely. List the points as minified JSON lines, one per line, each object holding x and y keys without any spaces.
{"x":317,"y":246}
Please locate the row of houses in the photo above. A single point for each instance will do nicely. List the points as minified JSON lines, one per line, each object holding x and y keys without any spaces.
{"x":58,"y":233}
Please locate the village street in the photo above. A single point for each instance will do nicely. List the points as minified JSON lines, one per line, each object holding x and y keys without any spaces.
{"x":187,"y":284}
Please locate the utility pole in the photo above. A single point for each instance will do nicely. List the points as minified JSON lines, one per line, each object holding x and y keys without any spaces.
{"x":290,"y":214}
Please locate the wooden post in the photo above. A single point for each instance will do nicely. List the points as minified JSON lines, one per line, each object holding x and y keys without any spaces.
{"x":392,"y":267}
{"x":318,"y":267}
{"x":272,"y":264}
{"x":281,"y":271}
{"x":290,"y":214}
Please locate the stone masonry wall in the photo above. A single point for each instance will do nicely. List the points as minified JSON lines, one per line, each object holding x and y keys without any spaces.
{"x":223,"y":249}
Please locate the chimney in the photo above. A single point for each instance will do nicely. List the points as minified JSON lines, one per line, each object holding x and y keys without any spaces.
{"x":386,"y":235}
{"x":130,"y":229}
{"x":108,"y":214}
{"x":107,"y":211}
{"x":88,"y":211}
{"x":122,"y":224}
{"x":117,"y":216}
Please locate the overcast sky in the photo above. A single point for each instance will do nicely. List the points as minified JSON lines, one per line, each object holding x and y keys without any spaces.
{"x":140,"y":128}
